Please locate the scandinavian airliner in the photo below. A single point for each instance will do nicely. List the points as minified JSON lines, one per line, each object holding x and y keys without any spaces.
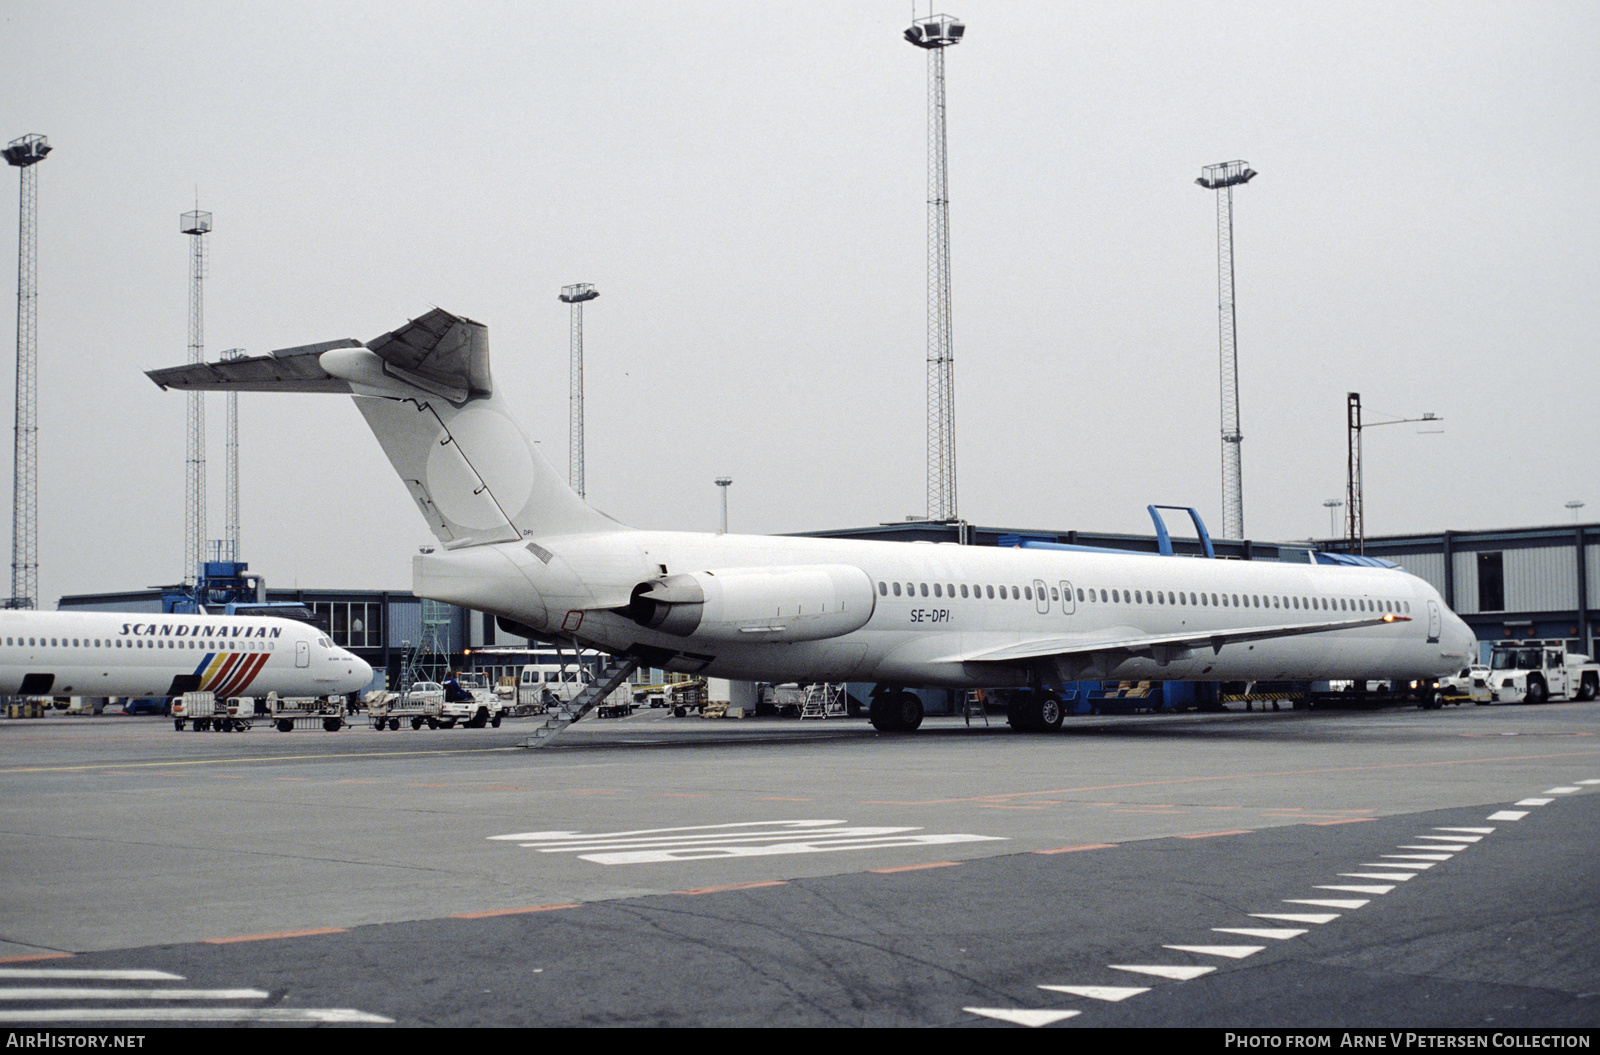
{"x":129,"y":654}
{"x":518,"y":543}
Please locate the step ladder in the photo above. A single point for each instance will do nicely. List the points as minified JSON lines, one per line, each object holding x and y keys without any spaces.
{"x":591,"y":697}
{"x":824,"y":700}
{"x":973,"y":706}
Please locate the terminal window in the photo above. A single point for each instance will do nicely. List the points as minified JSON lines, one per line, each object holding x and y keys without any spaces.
{"x":1491,"y":583}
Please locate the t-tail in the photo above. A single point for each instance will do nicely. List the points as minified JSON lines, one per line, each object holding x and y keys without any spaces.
{"x":427,"y":394}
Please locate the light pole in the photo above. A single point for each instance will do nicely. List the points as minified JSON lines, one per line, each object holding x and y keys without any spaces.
{"x":1222,"y":178}
{"x":724,"y":482}
{"x":1354,"y":490}
{"x":1333,"y":505}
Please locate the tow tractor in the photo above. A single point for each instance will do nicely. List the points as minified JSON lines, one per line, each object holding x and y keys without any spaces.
{"x":1535,"y":673}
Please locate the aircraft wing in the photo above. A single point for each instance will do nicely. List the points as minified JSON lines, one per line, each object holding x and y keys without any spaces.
{"x":1158,"y":645}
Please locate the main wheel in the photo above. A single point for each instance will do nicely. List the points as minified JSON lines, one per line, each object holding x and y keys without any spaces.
{"x":896,"y":712}
{"x":1046,"y":712}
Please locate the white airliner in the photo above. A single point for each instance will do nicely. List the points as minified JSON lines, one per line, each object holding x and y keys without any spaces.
{"x":139,"y":654}
{"x":520,"y":544}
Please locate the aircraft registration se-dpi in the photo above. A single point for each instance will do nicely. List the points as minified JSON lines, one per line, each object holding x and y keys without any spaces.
{"x":520,"y":544}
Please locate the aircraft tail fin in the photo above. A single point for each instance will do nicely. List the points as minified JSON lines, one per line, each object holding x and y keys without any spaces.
{"x":426,"y":392}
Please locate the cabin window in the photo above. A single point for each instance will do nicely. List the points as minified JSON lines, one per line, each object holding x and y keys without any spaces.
{"x":963,"y":590}
{"x":949,"y":589}
{"x":897,"y":589}
{"x":883,"y":589}
{"x":938,"y":591}
{"x":924,"y":589}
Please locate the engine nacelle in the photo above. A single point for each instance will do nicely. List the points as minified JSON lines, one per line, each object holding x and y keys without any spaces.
{"x":804,"y":603}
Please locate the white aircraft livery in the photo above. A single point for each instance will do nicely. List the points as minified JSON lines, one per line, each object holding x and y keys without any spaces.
{"x":142,"y":654}
{"x":518,"y":543}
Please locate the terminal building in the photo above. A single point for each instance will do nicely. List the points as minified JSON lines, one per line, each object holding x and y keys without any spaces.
{"x":1517,"y":585}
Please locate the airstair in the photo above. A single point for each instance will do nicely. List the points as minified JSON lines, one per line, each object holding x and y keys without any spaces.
{"x":593,"y":694}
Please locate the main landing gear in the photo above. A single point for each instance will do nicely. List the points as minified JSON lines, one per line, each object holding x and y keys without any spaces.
{"x":895,"y":711}
{"x":1033,"y":711}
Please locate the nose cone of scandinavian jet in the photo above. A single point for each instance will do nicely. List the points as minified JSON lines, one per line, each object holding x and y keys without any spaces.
{"x":354,"y":673}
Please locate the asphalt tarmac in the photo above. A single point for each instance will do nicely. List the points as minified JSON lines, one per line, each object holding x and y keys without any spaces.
{"x":1395,"y":869}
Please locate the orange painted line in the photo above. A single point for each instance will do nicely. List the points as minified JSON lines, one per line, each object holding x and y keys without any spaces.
{"x":1351,"y":820}
{"x":1213,"y":835}
{"x":36,"y":956}
{"x":307,"y":933}
{"x":914,"y":868}
{"x":512,"y":911}
{"x":733,"y":886}
{"x":1075,"y":849}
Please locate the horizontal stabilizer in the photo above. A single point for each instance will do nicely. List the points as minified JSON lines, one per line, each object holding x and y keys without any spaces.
{"x":287,"y":370}
{"x":438,"y":354}
{"x":1080,"y":645}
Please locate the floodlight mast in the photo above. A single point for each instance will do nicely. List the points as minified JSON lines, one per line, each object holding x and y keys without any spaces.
{"x":230,"y":475}
{"x":23,"y":153}
{"x":196,"y":225}
{"x":934,"y":34}
{"x":575,"y":295}
{"x":1222,"y":178}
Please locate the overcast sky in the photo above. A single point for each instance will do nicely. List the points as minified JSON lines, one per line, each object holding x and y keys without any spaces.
{"x":746,"y":185}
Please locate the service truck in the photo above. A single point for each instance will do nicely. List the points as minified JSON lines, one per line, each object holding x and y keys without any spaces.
{"x":1534,"y":673}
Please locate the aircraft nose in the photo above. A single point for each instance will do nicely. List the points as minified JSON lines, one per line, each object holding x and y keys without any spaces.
{"x":360,"y":674}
